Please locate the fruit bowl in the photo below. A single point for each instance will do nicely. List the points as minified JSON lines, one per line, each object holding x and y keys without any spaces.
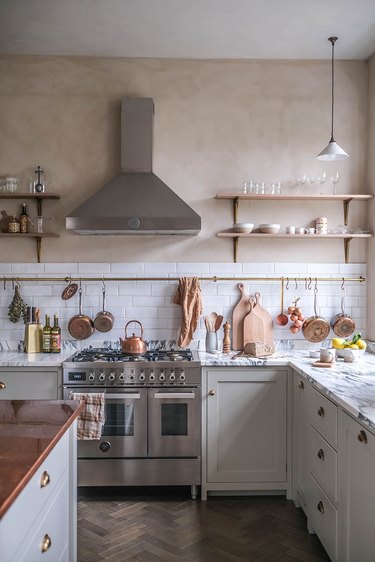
{"x":243,"y":227}
{"x":269,"y":228}
{"x":340,"y":352}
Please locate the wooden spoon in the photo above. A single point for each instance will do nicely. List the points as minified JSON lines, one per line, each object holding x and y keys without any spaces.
{"x":282,"y":319}
{"x":218,"y":322}
{"x":212,"y":319}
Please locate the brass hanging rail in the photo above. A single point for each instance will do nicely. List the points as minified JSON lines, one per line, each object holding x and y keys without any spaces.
{"x":213,"y":278}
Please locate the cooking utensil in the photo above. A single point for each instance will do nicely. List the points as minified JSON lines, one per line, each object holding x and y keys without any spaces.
{"x":133,"y":345}
{"x":104,"y":320}
{"x":314,"y":328}
{"x":267,"y":320}
{"x":342,"y":324}
{"x":218,"y":322}
{"x":240,"y":311}
{"x":282,"y":319}
{"x":69,"y":291}
{"x":80,"y":326}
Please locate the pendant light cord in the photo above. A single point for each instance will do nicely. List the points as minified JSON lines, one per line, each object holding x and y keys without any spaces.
{"x":333,"y":41}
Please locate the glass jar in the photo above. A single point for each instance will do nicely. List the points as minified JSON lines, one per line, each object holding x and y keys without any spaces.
{"x":14,"y":225}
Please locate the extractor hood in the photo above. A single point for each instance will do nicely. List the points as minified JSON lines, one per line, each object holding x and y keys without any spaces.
{"x":135,"y":201}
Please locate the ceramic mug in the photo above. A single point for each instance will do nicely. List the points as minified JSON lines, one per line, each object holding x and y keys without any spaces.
{"x":290,"y":230}
{"x":327,"y":355}
{"x":350,"y":355}
{"x":312,"y":231}
{"x":301,"y":230}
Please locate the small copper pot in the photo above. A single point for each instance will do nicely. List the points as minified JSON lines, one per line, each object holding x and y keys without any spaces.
{"x":133,"y":345}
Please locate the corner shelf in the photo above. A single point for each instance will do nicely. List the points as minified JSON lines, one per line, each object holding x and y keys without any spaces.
{"x":38,"y":197}
{"x":345,"y":198}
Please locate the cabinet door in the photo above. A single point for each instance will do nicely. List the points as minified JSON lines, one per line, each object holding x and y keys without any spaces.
{"x":246,"y":425}
{"x":29,"y":384}
{"x":356,"y":491}
{"x":299,"y":439}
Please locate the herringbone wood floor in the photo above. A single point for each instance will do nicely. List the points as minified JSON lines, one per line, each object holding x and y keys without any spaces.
{"x":159,"y":525}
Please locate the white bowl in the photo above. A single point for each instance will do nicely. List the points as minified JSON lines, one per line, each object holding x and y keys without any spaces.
{"x":339,"y":352}
{"x":269,"y":228}
{"x":244,"y":227}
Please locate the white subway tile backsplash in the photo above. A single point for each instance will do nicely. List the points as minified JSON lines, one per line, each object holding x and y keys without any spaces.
{"x":258,"y":268}
{"x":26,"y":268}
{"x":323,"y":268}
{"x":97,"y":268}
{"x":291,"y":268}
{"x":127,"y":267}
{"x":135,"y":288}
{"x":116,"y":301}
{"x":5,"y":268}
{"x":196,"y":268}
{"x":139,"y":312}
{"x":353,"y":268}
{"x":163,"y":269}
{"x":150,"y":301}
{"x":65,"y":268}
{"x":225,"y":268}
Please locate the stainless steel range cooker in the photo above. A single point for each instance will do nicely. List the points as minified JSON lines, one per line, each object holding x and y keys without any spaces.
{"x":152,"y":430}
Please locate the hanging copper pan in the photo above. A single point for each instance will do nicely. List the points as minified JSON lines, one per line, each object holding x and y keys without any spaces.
{"x":342,"y":324}
{"x":80,"y":326}
{"x":315,"y":329}
{"x":104,"y":320}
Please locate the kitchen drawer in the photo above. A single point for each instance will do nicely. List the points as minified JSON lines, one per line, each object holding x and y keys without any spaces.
{"x":323,"y":517}
{"x":322,"y":463}
{"x":323,"y":415}
{"x":54,"y":524}
{"x":34,"y":497}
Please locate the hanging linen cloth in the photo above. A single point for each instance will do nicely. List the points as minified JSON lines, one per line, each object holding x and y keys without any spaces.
{"x":189,"y":296}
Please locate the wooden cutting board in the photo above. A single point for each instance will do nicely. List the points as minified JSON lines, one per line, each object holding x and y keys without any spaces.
{"x":266,"y":317}
{"x":241,"y":309}
{"x":253,"y":326}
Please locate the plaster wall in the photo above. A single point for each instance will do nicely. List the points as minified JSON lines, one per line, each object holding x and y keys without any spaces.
{"x":371,"y":206}
{"x":217,"y":123}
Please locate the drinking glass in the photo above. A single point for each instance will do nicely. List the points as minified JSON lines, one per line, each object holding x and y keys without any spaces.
{"x":303,"y":180}
{"x":334,"y":180}
{"x":322,"y":180}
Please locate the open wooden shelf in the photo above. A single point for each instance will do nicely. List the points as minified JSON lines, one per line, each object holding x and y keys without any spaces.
{"x":290,"y":197}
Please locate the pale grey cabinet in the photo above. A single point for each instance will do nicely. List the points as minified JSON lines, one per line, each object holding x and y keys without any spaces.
{"x":245,"y":429}
{"x":30,"y":383}
{"x":356,"y":491}
{"x":299,"y":440}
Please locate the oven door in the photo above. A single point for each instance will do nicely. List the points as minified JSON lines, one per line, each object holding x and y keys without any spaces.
{"x":174,"y":422}
{"x":124,"y":431}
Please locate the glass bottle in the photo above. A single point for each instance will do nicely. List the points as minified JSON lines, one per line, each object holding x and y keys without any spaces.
{"x":55,"y":335}
{"x":46,"y":344}
{"x":24,"y":219}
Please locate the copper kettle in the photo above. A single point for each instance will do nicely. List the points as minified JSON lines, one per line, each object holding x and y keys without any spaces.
{"x":133,"y":345}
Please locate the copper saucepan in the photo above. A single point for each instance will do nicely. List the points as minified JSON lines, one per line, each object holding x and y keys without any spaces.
{"x":342,"y":324}
{"x":80,"y":326}
{"x":133,"y":345}
{"x":104,"y":320}
{"x":314,"y":328}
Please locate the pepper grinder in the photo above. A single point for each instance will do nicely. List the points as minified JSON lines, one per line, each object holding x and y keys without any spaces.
{"x":226,"y":340}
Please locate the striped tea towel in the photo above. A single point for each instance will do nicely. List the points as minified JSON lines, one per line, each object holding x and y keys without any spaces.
{"x":90,"y":422}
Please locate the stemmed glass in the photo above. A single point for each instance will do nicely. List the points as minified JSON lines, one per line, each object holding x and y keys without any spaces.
{"x":322,"y":181}
{"x":334,"y":180}
{"x":303,"y":180}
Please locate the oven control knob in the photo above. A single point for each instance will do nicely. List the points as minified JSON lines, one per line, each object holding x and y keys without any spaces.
{"x":112,"y":377}
{"x":152,"y":376}
{"x":101,"y":376}
{"x":104,"y":446}
{"x":121,"y":377}
{"x":162,"y":376}
{"x":142,"y":376}
{"x":91,"y":376}
{"x":172,"y":376}
{"x":182,"y":376}
{"x":132,"y":377}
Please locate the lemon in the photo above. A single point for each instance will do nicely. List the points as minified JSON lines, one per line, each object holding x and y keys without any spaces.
{"x":338,"y":343}
{"x":353,"y":346}
{"x":361,"y":344}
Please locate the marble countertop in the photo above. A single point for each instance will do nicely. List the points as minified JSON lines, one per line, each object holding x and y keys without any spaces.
{"x":19,"y":359}
{"x":29,"y":430}
{"x":351,"y":385}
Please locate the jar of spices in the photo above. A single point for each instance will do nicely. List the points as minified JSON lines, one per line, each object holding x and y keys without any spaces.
{"x":14,"y":225}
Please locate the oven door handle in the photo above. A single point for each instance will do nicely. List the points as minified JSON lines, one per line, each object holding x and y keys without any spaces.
{"x":123,"y":396}
{"x":174,"y":395}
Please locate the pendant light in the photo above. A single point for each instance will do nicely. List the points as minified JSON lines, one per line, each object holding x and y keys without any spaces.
{"x":332,"y":151}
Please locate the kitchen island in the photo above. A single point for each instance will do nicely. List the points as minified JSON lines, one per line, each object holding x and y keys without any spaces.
{"x":38,"y":479}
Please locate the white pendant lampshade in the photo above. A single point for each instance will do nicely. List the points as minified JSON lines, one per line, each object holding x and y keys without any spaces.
{"x":332,"y":152}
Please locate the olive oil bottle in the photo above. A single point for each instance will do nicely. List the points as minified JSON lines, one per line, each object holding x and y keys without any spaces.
{"x":46,"y":346}
{"x":55,"y":335}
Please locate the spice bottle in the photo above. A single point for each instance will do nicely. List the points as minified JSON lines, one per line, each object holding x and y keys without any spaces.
{"x":13,"y":225}
{"x":24,"y":219}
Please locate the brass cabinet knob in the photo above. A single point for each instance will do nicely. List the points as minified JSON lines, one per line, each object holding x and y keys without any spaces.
{"x":46,"y":543}
{"x":45,"y":479}
{"x":301,"y":385}
{"x":362,"y":437}
{"x":321,"y":412}
{"x":321,"y":454}
{"x":211,"y":392}
{"x":320,"y":507}
{"x":2,"y":385}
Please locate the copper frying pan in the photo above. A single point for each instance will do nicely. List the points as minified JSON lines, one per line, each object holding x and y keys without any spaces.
{"x":80,"y":326}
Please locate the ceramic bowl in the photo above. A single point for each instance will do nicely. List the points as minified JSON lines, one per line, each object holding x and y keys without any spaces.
{"x":244,"y":227}
{"x":339,"y":352}
{"x":269,"y":228}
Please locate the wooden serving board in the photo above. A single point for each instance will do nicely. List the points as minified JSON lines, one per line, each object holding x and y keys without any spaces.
{"x":321,"y":364}
{"x":253,"y":326}
{"x":241,"y":309}
{"x":266,"y":317}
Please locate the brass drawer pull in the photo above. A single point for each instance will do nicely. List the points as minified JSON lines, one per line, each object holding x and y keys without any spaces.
{"x":362,"y":437}
{"x":45,"y":479}
{"x":321,"y":454}
{"x":320,"y":507}
{"x":211,"y":392}
{"x":46,"y":543}
{"x":321,"y":412}
{"x":301,"y":385}
{"x":2,"y":385}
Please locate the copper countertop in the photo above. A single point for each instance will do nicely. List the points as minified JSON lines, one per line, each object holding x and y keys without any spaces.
{"x":29,"y":430}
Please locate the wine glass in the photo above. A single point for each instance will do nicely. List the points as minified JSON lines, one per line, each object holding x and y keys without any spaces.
{"x":322,"y":180}
{"x":303,"y":180}
{"x":334,"y":180}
